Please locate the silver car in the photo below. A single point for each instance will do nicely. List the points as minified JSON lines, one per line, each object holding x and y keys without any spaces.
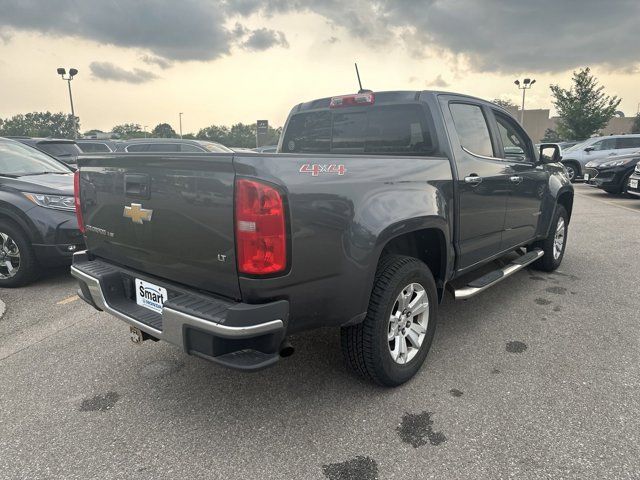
{"x":597,"y":148}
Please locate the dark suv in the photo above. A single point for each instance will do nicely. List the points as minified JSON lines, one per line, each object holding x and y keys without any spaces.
{"x":38,"y":225}
{"x":62,"y":149}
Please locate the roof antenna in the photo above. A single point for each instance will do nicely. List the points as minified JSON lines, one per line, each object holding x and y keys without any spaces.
{"x":362,"y":90}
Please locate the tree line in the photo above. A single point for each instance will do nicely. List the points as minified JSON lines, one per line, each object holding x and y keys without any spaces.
{"x":584,"y":110}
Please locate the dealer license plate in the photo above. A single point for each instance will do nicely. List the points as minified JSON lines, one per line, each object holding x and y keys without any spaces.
{"x":586,"y":177}
{"x":150,"y":296}
{"x":633,"y":183}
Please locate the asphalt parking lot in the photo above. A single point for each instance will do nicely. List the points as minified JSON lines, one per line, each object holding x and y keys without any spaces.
{"x":538,"y":377}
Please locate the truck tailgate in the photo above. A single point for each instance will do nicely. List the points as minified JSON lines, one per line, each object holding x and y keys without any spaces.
{"x":166,"y":215}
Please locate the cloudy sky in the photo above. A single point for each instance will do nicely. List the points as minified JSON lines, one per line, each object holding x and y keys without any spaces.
{"x":225,"y":61}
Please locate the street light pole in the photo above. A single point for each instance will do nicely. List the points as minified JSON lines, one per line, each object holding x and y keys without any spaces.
{"x":68,"y":77}
{"x":527,"y":83}
{"x":180,"y":115}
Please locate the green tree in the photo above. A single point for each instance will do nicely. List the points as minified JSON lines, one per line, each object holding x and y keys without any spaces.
{"x":40,"y":124}
{"x":635,"y":128}
{"x":128,"y":130}
{"x":584,"y":108}
{"x":508,"y":104}
{"x":551,"y":136}
{"x":163,"y":130}
{"x":240,"y":135}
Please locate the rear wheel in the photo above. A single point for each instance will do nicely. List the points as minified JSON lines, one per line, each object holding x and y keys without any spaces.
{"x":17,"y":261}
{"x":555,"y":244}
{"x":392,"y":342}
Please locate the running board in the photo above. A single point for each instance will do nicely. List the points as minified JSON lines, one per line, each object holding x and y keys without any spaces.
{"x":490,"y":279}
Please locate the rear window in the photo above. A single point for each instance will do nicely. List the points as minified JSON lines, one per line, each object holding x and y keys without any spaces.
{"x":381,"y":130}
{"x":60,"y":149}
{"x":628,"y":142}
{"x":91,"y":147}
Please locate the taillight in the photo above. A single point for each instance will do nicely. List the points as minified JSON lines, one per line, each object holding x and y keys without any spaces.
{"x":352,"y":100}
{"x":260,"y":228}
{"x":76,"y":198}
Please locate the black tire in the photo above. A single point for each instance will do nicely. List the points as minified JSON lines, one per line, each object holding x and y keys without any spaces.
{"x":27,"y":268}
{"x":549,"y":262}
{"x":573,"y":170}
{"x":366,"y":346}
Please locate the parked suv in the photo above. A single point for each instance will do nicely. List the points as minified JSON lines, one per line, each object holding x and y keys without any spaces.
{"x":576,"y":158}
{"x":170,"y":145}
{"x":97,"y":146}
{"x":65,"y":150}
{"x":38,"y":225}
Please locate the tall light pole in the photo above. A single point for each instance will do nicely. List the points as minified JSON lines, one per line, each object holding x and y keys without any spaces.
{"x":144,"y":129}
{"x":68,"y":77}
{"x":527,"y":83}
{"x":180,"y":115}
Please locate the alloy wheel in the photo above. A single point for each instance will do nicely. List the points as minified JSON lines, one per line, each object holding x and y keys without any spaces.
{"x":9,"y":257}
{"x":558,"y":240}
{"x":408,"y":323}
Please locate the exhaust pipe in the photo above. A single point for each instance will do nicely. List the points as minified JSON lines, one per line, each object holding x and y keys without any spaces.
{"x":286,"y":349}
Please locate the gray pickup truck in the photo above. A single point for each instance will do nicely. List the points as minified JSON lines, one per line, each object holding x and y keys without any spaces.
{"x":374,"y":205}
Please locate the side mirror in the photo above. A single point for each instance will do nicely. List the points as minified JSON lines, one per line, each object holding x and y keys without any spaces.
{"x":550,"y":153}
{"x":589,"y":149}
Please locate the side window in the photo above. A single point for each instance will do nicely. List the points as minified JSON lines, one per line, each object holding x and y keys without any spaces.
{"x":628,"y":142}
{"x":472,"y":128}
{"x":608,"y":144}
{"x":514,"y":141}
{"x":138,"y":147}
{"x":164,"y":147}
{"x":187,"y":147}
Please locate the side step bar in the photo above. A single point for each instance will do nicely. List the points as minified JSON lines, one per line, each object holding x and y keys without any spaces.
{"x":490,"y":279}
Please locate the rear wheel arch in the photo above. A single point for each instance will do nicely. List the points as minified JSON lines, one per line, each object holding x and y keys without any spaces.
{"x":428,"y":245}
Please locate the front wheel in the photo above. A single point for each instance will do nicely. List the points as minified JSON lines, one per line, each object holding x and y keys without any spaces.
{"x":555,"y":244}
{"x":572,"y":171}
{"x":392,"y":342}
{"x":18,"y":264}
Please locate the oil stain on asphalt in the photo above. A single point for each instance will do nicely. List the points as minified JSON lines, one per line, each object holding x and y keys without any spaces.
{"x":100,"y":403}
{"x":456,"y":393}
{"x":516,"y":347}
{"x":542,"y":301}
{"x":360,"y":468}
{"x":417,"y":430}
{"x":557,"y":290}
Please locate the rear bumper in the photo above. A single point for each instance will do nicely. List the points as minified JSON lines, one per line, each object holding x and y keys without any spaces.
{"x":236,"y":335}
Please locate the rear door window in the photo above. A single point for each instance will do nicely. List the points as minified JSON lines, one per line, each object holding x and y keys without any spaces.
{"x":377,"y":130}
{"x":471,"y":126}
{"x":628,"y":142}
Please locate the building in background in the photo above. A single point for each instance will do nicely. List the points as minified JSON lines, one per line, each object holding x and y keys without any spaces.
{"x":537,"y":121}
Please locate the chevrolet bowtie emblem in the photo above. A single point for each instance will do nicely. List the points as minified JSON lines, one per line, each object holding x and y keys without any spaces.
{"x":137,"y":214}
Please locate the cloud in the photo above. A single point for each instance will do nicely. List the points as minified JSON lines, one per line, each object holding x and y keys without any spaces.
{"x":156,"y":61}
{"x":263,"y":39}
{"x":437,"y":82}
{"x":5,"y":36}
{"x":109,"y":71}
{"x":491,"y":35}
{"x":185,"y":30}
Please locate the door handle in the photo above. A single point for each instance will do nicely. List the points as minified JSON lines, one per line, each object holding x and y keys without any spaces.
{"x":515,"y":179}
{"x":473,"y":179}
